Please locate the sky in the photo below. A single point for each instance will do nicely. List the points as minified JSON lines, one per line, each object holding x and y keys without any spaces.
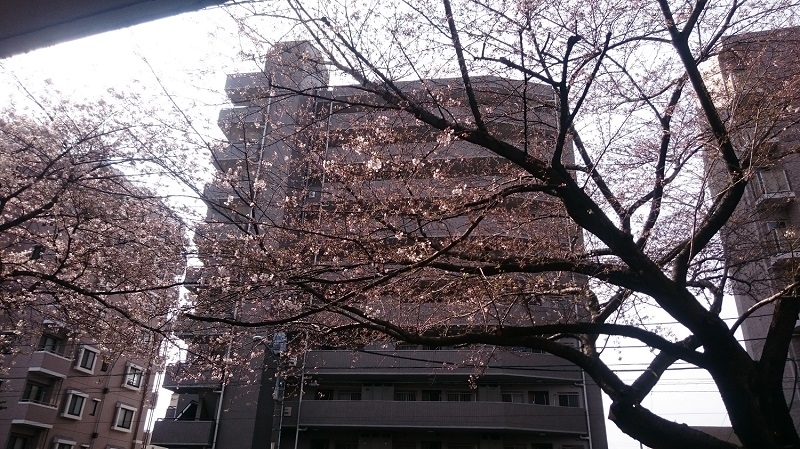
{"x":188,"y":57}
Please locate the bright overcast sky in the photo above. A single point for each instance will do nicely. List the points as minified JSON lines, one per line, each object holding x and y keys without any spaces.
{"x":191,"y":54}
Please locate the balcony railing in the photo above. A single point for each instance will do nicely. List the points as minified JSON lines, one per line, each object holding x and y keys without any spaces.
{"x":182,"y":433}
{"x":448,"y":362}
{"x":32,"y":413}
{"x":50,"y":364}
{"x":489,"y":416}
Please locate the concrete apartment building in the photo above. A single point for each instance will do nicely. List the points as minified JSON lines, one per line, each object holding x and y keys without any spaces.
{"x":760,"y":80}
{"x":60,"y":391}
{"x":383,"y":394}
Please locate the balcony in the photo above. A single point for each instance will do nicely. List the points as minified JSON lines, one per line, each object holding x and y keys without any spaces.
{"x":182,"y":433}
{"x":49,"y":363}
{"x":243,"y":123}
{"x":33,"y":414}
{"x":228,"y":156}
{"x":189,"y":378}
{"x":242,"y":87}
{"x":489,"y":416}
{"x":423,"y":364}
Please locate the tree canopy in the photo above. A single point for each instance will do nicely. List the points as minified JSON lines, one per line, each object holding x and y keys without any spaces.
{"x":513,"y":173}
{"x":83,"y":246}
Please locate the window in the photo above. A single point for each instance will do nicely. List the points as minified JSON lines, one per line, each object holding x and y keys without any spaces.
{"x":568,"y":399}
{"x":86,"y":359}
{"x":346,"y":445}
{"x":431,"y":445}
{"x":542,"y":446}
{"x":133,"y":377}
{"x":124,"y":419}
{"x":17,"y":442}
{"x":405,"y":396}
{"x":349,"y":396}
{"x":93,"y":406}
{"x":513,"y":396}
{"x":539,"y":397}
{"x":431,"y":395}
{"x":74,"y":404}
{"x":572,"y":446}
{"x":36,"y":392}
{"x":61,"y":444}
{"x":50,"y":343}
{"x":459,"y":396}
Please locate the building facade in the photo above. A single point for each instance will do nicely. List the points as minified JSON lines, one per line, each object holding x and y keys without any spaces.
{"x":60,"y":391}
{"x":759,"y":85}
{"x":379,"y":393}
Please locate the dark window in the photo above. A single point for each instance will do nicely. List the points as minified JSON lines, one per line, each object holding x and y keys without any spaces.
{"x":319,"y":444}
{"x":87,"y":358}
{"x":63,"y":446}
{"x":405,"y":396}
{"x":539,"y":397}
{"x":346,"y":445}
{"x":17,"y":442}
{"x":431,"y":395}
{"x":431,"y":445}
{"x":459,"y":396}
{"x":542,"y":446}
{"x":124,"y":418}
{"x":36,"y":392}
{"x":93,"y":406}
{"x":349,"y":396}
{"x":515,"y":397}
{"x":568,"y":399}
{"x":74,"y":405}
{"x":50,"y":343}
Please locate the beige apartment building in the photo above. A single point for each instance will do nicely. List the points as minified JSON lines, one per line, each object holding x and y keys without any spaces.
{"x":61,"y":391}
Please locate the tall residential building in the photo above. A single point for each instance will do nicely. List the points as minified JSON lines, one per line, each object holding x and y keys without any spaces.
{"x":289,"y":132}
{"x":760,"y":81}
{"x":61,"y":391}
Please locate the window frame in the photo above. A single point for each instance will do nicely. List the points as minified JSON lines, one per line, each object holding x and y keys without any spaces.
{"x":532,"y":396}
{"x":50,"y":343}
{"x":43,"y":392}
{"x":119,"y":414}
{"x":459,"y":396}
{"x":511,"y":395}
{"x":129,"y":371}
{"x":405,"y":395}
{"x":61,"y":443}
{"x":569,"y":395}
{"x":72,"y":394}
{"x":79,"y":361}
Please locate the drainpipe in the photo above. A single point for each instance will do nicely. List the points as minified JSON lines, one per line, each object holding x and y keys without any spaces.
{"x":586,"y":407}
{"x":300,"y":400}
{"x":222,"y":386}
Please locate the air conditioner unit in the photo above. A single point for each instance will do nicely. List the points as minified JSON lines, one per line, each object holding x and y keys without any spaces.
{"x":287,"y":411}
{"x":291,"y":361}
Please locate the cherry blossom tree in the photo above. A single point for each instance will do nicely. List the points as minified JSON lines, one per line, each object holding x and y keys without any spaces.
{"x":512,"y":173}
{"x":83,"y":245}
